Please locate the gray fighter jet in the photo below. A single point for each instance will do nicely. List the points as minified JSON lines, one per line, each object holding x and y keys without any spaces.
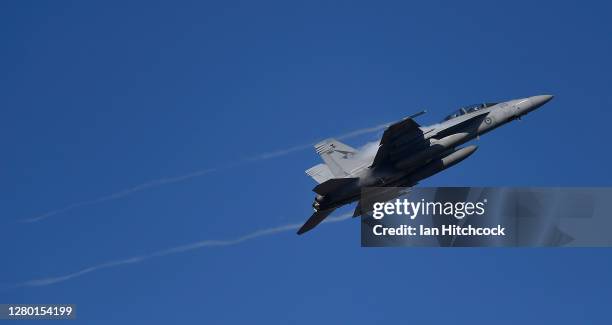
{"x":407,"y":153}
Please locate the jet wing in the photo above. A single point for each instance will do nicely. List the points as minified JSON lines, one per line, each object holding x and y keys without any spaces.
{"x":334,"y":184}
{"x":401,"y":132}
{"x":314,"y":220}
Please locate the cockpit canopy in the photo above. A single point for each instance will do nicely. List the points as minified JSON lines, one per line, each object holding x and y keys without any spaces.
{"x":468,"y":109}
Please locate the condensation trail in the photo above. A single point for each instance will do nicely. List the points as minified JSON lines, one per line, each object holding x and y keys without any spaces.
{"x":122,"y":193}
{"x":349,"y":135}
{"x":172,"y":251}
{"x":195,"y":174}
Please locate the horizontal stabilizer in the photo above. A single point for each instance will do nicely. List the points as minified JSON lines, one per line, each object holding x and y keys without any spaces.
{"x":320,"y":173}
{"x":314,"y":220}
{"x":335,"y":184}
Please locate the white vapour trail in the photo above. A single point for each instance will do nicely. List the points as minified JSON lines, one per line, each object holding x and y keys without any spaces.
{"x":123,"y":193}
{"x":278,"y":153}
{"x":198,"y":173}
{"x":171,"y":251}
{"x":362,"y":131}
{"x":349,"y":135}
{"x":368,"y":151}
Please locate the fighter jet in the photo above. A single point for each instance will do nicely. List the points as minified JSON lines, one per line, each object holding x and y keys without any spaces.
{"x":407,"y":153}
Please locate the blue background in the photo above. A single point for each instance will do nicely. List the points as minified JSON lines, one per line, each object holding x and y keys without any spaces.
{"x":98,"y":97}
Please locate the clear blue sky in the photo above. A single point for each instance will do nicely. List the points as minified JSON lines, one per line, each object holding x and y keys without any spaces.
{"x":99,"y":97}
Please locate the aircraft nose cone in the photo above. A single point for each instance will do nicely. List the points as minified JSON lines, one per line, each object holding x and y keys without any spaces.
{"x":537,"y":101}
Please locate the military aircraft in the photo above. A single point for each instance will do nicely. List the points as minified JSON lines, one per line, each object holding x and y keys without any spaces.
{"x":407,"y":153}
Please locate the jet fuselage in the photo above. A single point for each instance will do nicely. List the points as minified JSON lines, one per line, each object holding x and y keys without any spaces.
{"x":416,"y":153}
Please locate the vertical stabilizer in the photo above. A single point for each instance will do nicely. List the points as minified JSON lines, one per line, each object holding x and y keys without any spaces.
{"x":339,"y":157}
